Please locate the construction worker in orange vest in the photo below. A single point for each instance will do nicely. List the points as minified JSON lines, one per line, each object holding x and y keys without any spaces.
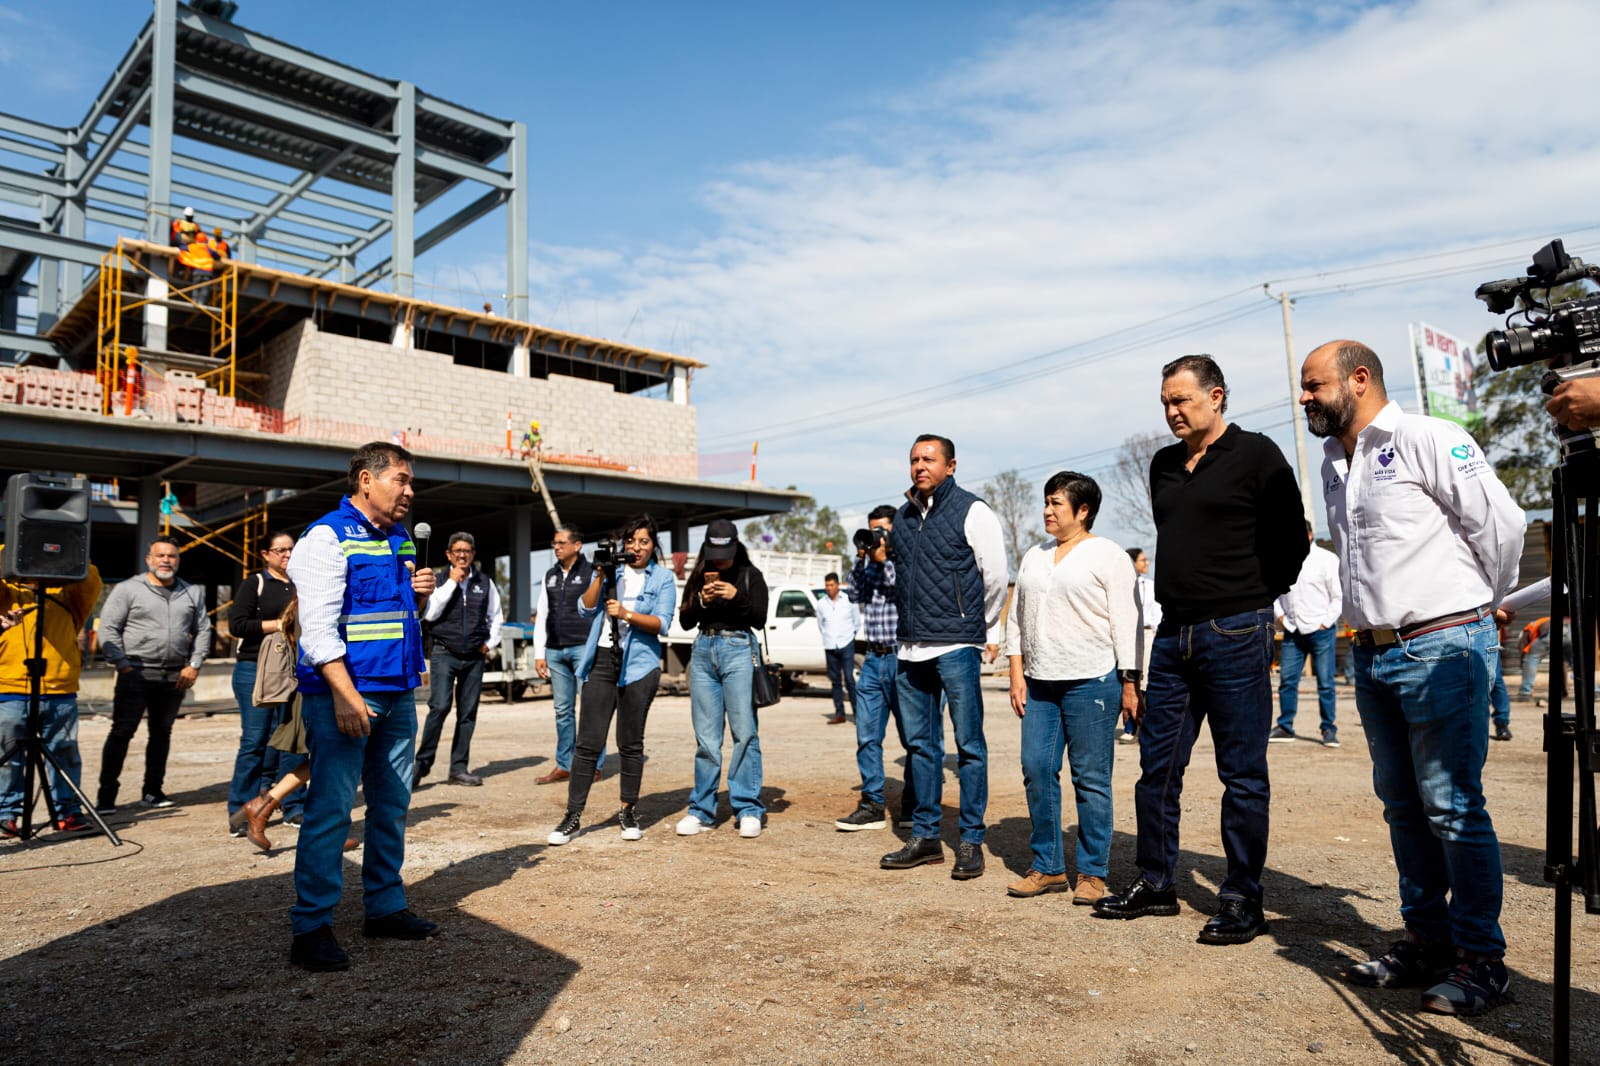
{"x":181,"y":232}
{"x":219,"y":244}
{"x":195,"y":258}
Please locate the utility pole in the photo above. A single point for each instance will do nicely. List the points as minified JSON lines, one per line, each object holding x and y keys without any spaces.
{"x":1297,"y":416}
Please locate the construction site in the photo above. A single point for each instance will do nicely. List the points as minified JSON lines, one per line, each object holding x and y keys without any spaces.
{"x":218,"y":399}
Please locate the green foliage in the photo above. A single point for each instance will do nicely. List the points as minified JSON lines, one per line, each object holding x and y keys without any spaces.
{"x":805,"y":528}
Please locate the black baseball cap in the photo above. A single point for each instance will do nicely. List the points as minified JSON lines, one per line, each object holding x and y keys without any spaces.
{"x":722,"y":541}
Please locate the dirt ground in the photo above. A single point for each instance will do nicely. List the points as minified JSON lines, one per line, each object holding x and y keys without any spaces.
{"x":793,"y":947}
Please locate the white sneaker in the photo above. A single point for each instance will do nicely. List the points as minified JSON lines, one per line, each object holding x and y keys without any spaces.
{"x":750,"y":826}
{"x":563,"y":833}
{"x":689,"y":825}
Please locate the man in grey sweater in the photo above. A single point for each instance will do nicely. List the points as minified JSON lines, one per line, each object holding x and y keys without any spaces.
{"x":155,"y":631}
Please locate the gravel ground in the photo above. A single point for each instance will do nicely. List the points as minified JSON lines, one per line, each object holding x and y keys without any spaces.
{"x":793,"y":947}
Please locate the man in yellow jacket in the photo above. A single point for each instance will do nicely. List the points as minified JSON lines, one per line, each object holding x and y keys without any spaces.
{"x":67,"y":608}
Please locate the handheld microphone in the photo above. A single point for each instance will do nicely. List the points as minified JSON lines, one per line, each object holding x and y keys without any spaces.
{"x":420,"y":534}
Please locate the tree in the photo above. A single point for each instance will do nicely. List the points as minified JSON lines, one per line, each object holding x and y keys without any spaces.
{"x":1128,"y":482}
{"x":1011,"y":497}
{"x":805,"y":528}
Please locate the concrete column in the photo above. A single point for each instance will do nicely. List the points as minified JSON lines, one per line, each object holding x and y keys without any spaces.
{"x":519,"y":361}
{"x":163,"y":98}
{"x":678,"y":389}
{"x":521,"y":568}
{"x":404,"y":203}
{"x":149,"y":519}
{"x":402,"y":335}
{"x":155,"y":314}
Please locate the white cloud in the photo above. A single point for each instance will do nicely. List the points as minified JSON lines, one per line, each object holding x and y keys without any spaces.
{"x":1089,"y":172}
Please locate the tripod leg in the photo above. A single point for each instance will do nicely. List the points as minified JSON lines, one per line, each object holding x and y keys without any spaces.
{"x":88,"y":807}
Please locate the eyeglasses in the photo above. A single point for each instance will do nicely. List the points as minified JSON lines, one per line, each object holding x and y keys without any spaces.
{"x":462,"y":551}
{"x":279,"y":551}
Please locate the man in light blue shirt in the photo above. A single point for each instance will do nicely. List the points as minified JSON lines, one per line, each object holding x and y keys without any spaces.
{"x":839,"y":619}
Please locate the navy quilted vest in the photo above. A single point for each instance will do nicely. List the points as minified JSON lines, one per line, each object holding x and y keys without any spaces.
{"x":938,"y":588}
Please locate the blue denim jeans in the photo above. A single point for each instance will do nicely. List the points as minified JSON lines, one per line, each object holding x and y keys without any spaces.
{"x":952,"y":677}
{"x":1321,"y":648}
{"x":257,"y":766}
{"x":1080,"y":718}
{"x":58,"y":728}
{"x":719,"y":691}
{"x":877,"y":700}
{"x":1221,"y":670}
{"x":450,"y":677}
{"x":381,"y":763}
{"x":1424,"y":707}
{"x":841,"y":676}
{"x":564,"y":688}
{"x":1499,"y":698}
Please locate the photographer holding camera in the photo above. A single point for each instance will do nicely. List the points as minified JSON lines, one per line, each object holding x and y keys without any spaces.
{"x":872,"y":587}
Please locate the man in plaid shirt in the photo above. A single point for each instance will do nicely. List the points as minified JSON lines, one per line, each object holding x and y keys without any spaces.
{"x":872,"y":587}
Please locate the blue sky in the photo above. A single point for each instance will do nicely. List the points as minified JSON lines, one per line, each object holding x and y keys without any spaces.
{"x":860,"y":215}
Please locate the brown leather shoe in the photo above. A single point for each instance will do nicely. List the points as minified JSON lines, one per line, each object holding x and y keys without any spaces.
{"x":837,"y":719}
{"x":351,"y":843}
{"x":1037,"y":884}
{"x":556,"y":774}
{"x":1089,"y":889}
{"x":256,"y":813}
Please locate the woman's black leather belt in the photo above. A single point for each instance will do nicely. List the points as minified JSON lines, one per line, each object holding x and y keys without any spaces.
{"x":722,"y":631}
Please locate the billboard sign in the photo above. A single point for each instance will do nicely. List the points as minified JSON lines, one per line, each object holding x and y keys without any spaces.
{"x":1444,"y":374}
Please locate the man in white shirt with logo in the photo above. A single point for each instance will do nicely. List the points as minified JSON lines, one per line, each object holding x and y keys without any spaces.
{"x":838,"y":619}
{"x":1308,"y":613}
{"x":1428,"y":541}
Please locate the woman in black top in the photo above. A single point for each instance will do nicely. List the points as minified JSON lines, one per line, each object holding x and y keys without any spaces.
{"x":725,"y":597}
{"x":258,"y":606}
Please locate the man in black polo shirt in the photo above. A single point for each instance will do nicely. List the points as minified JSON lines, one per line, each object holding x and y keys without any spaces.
{"x":1230,"y":535}
{"x":464,"y":621}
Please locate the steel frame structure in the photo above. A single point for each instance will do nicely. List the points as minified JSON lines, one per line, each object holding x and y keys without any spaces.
{"x":396,"y":148}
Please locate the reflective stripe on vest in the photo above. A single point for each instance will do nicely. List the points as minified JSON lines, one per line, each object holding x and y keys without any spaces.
{"x":375,"y":616}
{"x":364,"y":547}
{"x":359,"y":631}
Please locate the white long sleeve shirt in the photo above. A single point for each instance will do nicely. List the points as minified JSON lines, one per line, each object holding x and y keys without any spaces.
{"x":988,"y":544}
{"x":1422,"y":526}
{"x":1149,"y":609}
{"x":440,"y":599}
{"x":838,"y":619}
{"x":1315,"y":600}
{"x":1077,"y":618}
{"x":317,"y":569}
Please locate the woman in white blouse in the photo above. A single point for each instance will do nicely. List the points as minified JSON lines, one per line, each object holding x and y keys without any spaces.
{"x":1072,"y":639}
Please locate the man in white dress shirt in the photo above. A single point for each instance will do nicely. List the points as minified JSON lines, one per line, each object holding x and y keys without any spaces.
{"x":1308,"y":613}
{"x":1429,"y":542}
{"x":838,"y":619}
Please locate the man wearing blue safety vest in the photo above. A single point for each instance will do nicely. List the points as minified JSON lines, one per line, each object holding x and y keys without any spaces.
{"x":360,"y":664}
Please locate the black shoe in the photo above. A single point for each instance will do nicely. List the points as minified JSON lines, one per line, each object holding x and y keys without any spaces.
{"x":1237,"y":921}
{"x":157,"y":800}
{"x":1407,"y":964}
{"x":867,"y":815}
{"x":918,"y":850}
{"x":465,"y":778}
{"x":563,"y":833}
{"x":105,"y":810}
{"x":416,"y":778}
{"x":969,"y":862}
{"x":1141,"y":899}
{"x":401,"y":925}
{"x":318,"y":951}
{"x":1502,"y":732}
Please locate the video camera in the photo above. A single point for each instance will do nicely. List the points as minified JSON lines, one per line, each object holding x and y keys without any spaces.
{"x":609,"y":555}
{"x":868,"y":539}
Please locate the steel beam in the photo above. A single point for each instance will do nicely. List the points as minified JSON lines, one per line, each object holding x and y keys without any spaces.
{"x":268,"y":46}
{"x":517,"y":225}
{"x":463,"y":168}
{"x":456,"y":113}
{"x":30,"y":241}
{"x":11,"y":340}
{"x":442,"y":232}
{"x":115,"y":84}
{"x":334,"y":131}
{"x":113,"y":142}
{"x":403,"y":203}
{"x":295,"y":188}
{"x":353,"y":250}
{"x":38,"y":184}
{"x":27,"y":148}
{"x":163,"y":103}
{"x":39,"y":131}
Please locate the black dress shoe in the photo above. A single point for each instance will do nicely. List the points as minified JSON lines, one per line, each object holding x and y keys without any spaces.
{"x":401,"y":925}
{"x":969,"y":862}
{"x":318,"y":951}
{"x":1238,"y":921}
{"x":465,"y":779}
{"x":918,"y":850}
{"x":1141,"y":899}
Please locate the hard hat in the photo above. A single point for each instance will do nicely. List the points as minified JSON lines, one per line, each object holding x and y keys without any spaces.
{"x":188,"y":212}
{"x":216,"y":231}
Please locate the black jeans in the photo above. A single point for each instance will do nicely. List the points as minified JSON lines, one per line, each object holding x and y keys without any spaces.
{"x":136,"y":695}
{"x":602,"y":697}
{"x":450,"y":674}
{"x":842,"y":675}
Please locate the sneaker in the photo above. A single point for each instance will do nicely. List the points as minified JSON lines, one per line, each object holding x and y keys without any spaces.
{"x":1407,"y":964}
{"x":1330,"y":738}
{"x":158,"y":800}
{"x":1502,"y":732}
{"x":9,"y":829}
{"x":1127,"y":738}
{"x":1280,"y":735}
{"x":73,"y":823}
{"x":630,"y":824}
{"x":689,"y":825}
{"x":1472,"y":988}
{"x":239,"y":832}
{"x":295,"y":821}
{"x":105,"y":810}
{"x":750,"y":826}
{"x":867,"y":815}
{"x":563,"y":833}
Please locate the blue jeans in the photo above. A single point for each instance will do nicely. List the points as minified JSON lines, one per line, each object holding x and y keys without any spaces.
{"x":953,"y":677}
{"x":1219,"y":669}
{"x":1079,"y":717}
{"x":58,"y":728}
{"x":257,"y":766}
{"x":877,"y":699}
{"x":1499,"y":698}
{"x":1320,"y":647}
{"x":719,"y":690}
{"x":449,"y":675}
{"x":842,"y":676}
{"x":1424,"y":705}
{"x":564,"y":687}
{"x":381,"y":763}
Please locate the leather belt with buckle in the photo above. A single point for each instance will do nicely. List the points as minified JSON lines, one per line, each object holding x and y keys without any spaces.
{"x":880,"y":649}
{"x":1388,"y":638}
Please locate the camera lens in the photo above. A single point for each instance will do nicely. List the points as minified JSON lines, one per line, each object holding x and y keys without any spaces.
{"x":1517,"y":346}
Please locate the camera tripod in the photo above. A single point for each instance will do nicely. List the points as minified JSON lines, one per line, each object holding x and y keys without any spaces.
{"x":1570,"y":738}
{"x":34,"y":753}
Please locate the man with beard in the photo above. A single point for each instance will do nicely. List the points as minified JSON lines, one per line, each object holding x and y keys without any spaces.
{"x":1428,"y":541}
{"x":1231,"y":537}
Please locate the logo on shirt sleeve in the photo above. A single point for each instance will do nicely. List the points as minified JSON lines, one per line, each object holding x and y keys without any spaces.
{"x":1469,"y":464}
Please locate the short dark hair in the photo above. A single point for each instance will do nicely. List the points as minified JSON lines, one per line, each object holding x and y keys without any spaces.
{"x":276,"y":533}
{"x":946,"y":445}
{"x":1348,"y":355}
{"x":572,"y":531}
{"x":164,"y":539}
{"x":1080,"y":489}
{"x":830,"y":576}
{"x":1134,"y":553}
{"x":883,"y":510}
{"x":461,"y":538}
{"x":1205,"y":371}
{"x":375,"y":457}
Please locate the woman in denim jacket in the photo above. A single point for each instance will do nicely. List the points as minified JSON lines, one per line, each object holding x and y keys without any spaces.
{"x":620,"y":669}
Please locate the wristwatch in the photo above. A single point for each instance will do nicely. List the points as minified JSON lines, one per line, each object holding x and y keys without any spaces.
{"x":1130,"y":676}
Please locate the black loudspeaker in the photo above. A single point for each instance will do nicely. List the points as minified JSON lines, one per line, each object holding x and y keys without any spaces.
{"x":47,"y":528}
